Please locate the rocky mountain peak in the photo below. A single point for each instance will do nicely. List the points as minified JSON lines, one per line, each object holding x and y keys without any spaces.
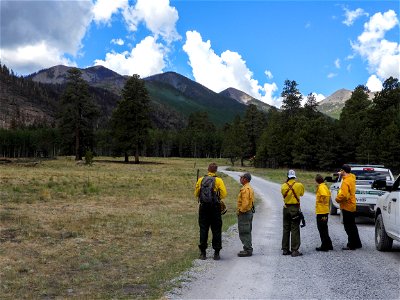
{"x":238,"y":95}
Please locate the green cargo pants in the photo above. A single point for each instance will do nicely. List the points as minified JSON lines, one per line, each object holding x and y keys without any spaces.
{"x":245,"y":221}
{"x":291,"y":228}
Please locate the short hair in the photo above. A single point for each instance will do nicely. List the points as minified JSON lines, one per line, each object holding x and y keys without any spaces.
{"x":247,"y":176}
{"x":346,"y":168}
{"x":319,"y":178}
{"x":212,"y":167}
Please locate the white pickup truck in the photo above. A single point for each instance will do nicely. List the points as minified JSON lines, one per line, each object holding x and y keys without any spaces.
{"x":387,"y":215}
{"x":365,"y":195}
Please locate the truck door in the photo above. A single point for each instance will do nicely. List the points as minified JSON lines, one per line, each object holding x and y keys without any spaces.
{"x":394,"y":208}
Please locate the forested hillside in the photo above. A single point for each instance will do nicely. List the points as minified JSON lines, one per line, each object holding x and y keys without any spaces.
{"x":367,"y":131}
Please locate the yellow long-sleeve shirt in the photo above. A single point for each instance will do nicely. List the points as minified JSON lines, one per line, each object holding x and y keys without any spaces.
{"x":346,"y":196}
{"x":322,"y":199}
{"x":219,"y":186}
{"x":245,"y":199}
{"x":298,"y":189}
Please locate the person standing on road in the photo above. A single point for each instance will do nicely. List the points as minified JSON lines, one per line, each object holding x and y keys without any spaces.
{"x":322,"y":210}
{"x":291,"y":191}
{"x":346,"y":198}
{"x":245,"y":210}
{"x":209,"y":190}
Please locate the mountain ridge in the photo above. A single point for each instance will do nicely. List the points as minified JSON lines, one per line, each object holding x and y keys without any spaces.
{"x":173,"y":95}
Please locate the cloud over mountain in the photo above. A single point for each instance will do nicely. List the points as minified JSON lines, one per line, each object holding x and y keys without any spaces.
{"x":383,"y":56}
{"x":229,"y":69}
{"x":37,"y":34}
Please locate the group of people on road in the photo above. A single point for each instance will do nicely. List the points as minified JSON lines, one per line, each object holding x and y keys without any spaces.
{"x":211,"y":190}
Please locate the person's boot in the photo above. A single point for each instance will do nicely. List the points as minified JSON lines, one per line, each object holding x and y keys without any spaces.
{"x":296,"y":253}
{"x":322,"y":249}
{"x":245,"y":253}
{"x":202,"y":255}
{"x":216,"y":255}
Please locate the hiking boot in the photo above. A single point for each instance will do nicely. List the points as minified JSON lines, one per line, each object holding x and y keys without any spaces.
{"x":348,"y":248}
{"x":322,"y":249}
{"x":202,"y":255}
{"x":296,"y":253}
{"x":245,"y":253}
{"x":216,"y":255}
{"x":286,"y":252}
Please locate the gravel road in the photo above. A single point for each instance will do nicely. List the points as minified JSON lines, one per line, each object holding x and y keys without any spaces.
{"x":362,"y":274}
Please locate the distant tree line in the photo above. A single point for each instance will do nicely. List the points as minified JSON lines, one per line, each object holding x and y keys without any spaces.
{"x":368,"y":131}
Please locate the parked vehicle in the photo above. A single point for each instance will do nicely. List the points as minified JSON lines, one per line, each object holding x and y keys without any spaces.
{"x":387,"y":215}
{"x":365,"y":195}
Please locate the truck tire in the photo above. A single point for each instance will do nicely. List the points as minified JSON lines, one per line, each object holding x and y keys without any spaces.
{"x":383,"y":242}
{"x":332,"y":208}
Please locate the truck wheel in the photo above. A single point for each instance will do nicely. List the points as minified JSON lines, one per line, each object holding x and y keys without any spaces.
{"x":383,"y":242}
{"x":332,"y":208}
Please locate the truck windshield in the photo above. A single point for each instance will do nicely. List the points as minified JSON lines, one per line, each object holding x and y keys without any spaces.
{"x":371,"y":174}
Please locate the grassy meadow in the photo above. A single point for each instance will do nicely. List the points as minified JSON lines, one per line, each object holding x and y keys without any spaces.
{"x":111,"y":230}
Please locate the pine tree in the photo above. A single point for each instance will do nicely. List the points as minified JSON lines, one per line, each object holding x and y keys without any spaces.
{"x":353,"y":122}
{"x":311,"y":105}
{"x":234,"y":143}
{"x":291,"y":97}
{"x":254,"y":122}
{"x":130,"y":120}
{"x":78,"y":116}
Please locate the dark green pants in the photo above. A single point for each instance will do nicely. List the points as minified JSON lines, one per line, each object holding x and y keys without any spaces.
{"x":245,"y":225}
{"x":291,"y":228}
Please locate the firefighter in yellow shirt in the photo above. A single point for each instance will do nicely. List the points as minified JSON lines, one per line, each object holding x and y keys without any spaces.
{"x":245,"y":210}
{"x":291,"y":191}
{"x":210,"y":190}
{"x":346,"y":198}
{"x":322,"y":210}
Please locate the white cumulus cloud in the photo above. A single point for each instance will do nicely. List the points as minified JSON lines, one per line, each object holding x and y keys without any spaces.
{"x":374,"y":84}
{"x":39,"y":27}
{"x":224,"y":71}
{"x":383,"y":56}
{"x":31,"y":58}
{"x":158,"y":16}
{"x":104,"y":9}
{"x":146,"y":59}
{"x":352,"y":15}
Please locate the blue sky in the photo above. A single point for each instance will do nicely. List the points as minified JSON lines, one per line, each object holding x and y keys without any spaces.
{"x":253,"y":46}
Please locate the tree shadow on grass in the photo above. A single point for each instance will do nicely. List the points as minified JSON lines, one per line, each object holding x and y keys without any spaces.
{"x":128,"y":163}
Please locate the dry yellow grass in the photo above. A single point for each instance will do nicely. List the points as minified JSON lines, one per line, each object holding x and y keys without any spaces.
{"x":111,"y":230}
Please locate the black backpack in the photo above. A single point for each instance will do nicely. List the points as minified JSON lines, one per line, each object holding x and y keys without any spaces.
{"x":207,"y":193}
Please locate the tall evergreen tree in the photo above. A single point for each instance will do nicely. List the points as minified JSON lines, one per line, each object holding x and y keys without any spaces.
{"x":353,"y":122}
{"x":254,"y":122}
{"x":291,"y":97}
{"x":234,"y":145}
{"x":130,"y":120}
{"x":385,"y":141}
{"x":78,"y":115}
{"x":311,"y":104}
